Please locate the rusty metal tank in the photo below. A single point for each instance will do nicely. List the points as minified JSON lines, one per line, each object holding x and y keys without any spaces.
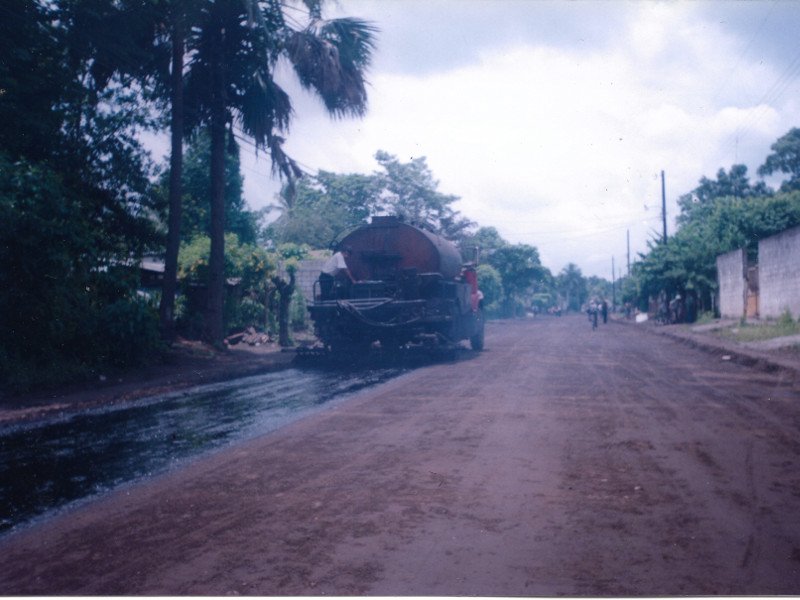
{"x":388,"y":246}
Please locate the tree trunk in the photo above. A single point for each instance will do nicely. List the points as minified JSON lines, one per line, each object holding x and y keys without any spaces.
{"x":286,"y":290}
{"x":216,"y":264}
{"x":170,"y":285}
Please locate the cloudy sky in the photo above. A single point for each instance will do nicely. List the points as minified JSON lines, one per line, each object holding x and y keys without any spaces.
{"x":552,"y":120}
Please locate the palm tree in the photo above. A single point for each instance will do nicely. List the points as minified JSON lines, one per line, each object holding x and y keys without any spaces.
{"x":236,"y":48}
{"x":177,"y":33}
{"x":572,"y":285}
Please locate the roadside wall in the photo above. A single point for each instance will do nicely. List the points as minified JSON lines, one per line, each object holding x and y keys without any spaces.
{"x":731,"y":276}
{"x":779,"y":274}
{"x":307,"y":274}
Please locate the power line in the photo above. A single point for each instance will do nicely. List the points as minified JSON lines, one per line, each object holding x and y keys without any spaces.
{"x":773,"y":93}
{"x":744,"y":53}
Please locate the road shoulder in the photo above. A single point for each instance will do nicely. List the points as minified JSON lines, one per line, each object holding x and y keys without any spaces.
{"x":185,"y":366}
{"x":772,"y":357}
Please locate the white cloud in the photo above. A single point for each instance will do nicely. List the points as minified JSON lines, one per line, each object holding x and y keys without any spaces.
{"x":561,"y":146}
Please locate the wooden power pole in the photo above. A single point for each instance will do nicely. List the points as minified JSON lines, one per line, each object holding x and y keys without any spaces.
{"x":664,"y":206}
{"x":629,"y":252}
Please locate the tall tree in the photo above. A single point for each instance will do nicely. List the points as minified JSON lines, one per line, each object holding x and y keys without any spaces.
{"x":519,"y":267}
{"x":324,"y":208}
{"x":571,"y":284}
{"x":236,"y":49}
{"x":141,"y":43}
{"x":411,"y":193}
{"x":34,"y":79}
{"x":197,"y":192}
{"x":486,"y":240}
{"x":734,"y":183}
{"x":177,"y":24}
{"x":75,"y":185}
{"x":688,"y":263}
{"x":785,"y":158}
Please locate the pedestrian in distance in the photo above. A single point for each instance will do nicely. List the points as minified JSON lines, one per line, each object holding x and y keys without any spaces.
{"x":592,"y":311}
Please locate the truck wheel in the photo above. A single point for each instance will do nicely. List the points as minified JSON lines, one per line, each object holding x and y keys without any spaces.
{"x":476,"y":341}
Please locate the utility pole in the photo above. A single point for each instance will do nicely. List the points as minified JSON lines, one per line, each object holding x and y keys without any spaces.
{"x":629,"y":252}
{"x":664,"y":206}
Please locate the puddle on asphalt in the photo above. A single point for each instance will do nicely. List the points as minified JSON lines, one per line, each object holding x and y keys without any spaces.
{"x":47,"y":466}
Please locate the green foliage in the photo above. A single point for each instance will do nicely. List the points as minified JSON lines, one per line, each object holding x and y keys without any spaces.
{"x":705,"y":318}
{"x":298,"y":313}
{"x":519,"y":268}
{"x":128,"y":332}
{"x":755,"y":332}
{"x":734,"y":184}
{"x":248,"y":262}
{"x":235,"y":49}
{"x":543,"y":300}
{"x":718,"y":217}
{"x":485,"y":239}
{"x":249,"y":265}
{"x":35,"y":81}
{"x":249,"y":312}
{"x":572,"y":287}
{"x":44,"y":285}
{"x":59,"y":286}
{"x":287,"y":257}
{"x":75,"y":193}
{"x":320,"y":210}
{"x":410,"y":192}
{"x":630,"y":292}
{"x":491,"y":285}
{"x":785,"y":158}
{"x":77,"y":86}
{"x":786,"y":320}
{"x":688,"y":261}
{"x":324,"y":208}
{"x":599,"y":288}
{"x":196,"y":203}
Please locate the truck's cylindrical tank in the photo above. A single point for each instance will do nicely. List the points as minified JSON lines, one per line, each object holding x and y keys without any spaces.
{"x":387,"y":245}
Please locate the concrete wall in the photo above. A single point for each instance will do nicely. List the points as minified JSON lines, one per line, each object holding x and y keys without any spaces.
{"x":731,"y":270}
{"x":307,"y":274}
{"x":779,"y":274}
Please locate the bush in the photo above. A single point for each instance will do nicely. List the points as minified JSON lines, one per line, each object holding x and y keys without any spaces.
{"x":130,"y":334}
{"x":490,"y":284}
{"x":121,"y":334}
{"x":298,"y":313}
{"x":246,"y":262}
{"x":67,"y":302}
{"x":251,"y":313}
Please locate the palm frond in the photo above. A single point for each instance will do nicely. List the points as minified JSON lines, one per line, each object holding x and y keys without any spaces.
{"x":263,"y":107}
{"x":331,"y":60}
{"x":284,"y":166}
{"x":314,"y":8}
{"x":354,"y":38}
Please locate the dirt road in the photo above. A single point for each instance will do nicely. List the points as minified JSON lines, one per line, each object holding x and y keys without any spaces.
{"x":559,"y":461}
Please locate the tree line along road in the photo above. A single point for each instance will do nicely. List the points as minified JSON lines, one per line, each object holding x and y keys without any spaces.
{"x":560,"y":461}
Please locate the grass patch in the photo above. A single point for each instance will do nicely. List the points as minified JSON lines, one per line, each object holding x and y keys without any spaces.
{"x":757,"y":332}
{"x":705,"y":318}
